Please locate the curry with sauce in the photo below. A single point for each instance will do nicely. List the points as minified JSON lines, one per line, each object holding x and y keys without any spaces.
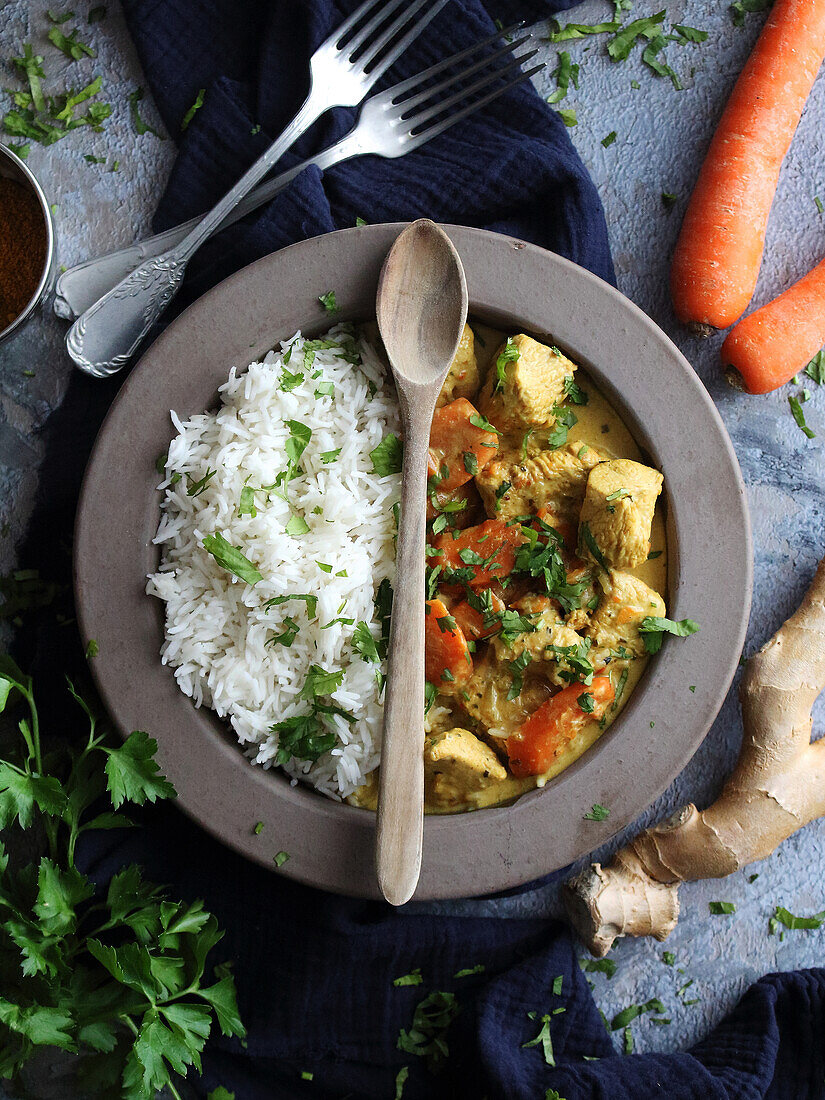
{"x":546,"y":554}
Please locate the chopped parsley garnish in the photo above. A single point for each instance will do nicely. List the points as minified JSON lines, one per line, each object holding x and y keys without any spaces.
{"x":479,"y":421}
{"x":568,"y":116}
{"x":597,"y":812}
{"x":468,"y":971}
{"x":470,"y":463}
{"x":328,"y":301}
{"x":653,"y":555}
{"x":799,"y":416}
{"x":740,"y":8}
{"x":819,"y":205}
{"x":426,"y":1037}
{"x":92,"y":649}
{"x":576,"y":394}
{"x":142,"y":127}
{"x":627,"y":1015}
{"x":508,"y":354}
{"x":579,"y":30}
{"x":620,"y":45}
{"x":603,"y":966}
{"x":232,"y":559}
{"x":586,"y":702}
{"x":413,"y":978}
{"x":196,"y":106}
{"x":287,"y":636}
{"x":280,"y":858}
{"x":195,"y":488}
{"x":310,"y":600}
{"x":668,"y":958}
{"x":320,"y":682}
{"x":296,"y":526}
{"x":690,"y":34}
{"x":586,"y":537}
{"x":325,"y":389}
{"x":330,"y":456}
{"x":816,"y":368}
{"x":720,"y":909}
{"x":543,"y":1039}
{"x":653,"y":628}
{"x":517,"y":668}
{"x":501,"y":491}
{"x":364,"y":644}
{"x":565,"y":73}
{"x":565,"y":419}
{"x":387,"y":457}
{"x":782,"y":916}
{"x":290,"y":381}
{"x":611,"y":137}
{"x":660,"y":68}
{"x":259,"y":828}
{"x":70,"y":44}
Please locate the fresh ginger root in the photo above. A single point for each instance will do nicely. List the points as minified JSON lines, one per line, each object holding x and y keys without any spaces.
{"x":778,"y":786}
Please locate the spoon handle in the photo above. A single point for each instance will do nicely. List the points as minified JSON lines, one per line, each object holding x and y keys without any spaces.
{"x":401,"y":792}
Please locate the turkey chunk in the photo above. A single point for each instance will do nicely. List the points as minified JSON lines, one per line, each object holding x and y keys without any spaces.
{"x":616,"y":621}
{"x":456,"y":764}
{"x":462,"y":377}
{"x":618,"y":509}
{"x":553,"y":479}
{"x":541,"y":645}
{"x":532,"y":383}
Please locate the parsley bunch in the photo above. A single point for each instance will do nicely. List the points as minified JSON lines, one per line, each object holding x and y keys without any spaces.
{"x":116,"y":977}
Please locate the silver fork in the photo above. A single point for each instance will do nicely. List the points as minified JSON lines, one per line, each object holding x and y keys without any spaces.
{"x":342,"y":71}
{"x":385,"y":128}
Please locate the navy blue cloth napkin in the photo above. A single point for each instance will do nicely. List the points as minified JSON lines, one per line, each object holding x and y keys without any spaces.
{"x":315,"y":972}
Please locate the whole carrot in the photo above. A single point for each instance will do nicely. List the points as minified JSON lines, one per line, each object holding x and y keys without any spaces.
{"x":717,"y":257}
{"x":770,"y":345}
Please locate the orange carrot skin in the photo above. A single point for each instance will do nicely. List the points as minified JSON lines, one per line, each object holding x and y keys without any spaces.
{"x":772,"y":344}
{"x":445,"y":648}
{"x":472,"y":621}
{"x":452,"y":436}
{"x":493,"y":537}
{"x":719,"y":251}
{"x":546,"y":732}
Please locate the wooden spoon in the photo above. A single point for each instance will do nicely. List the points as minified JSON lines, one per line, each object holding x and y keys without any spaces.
{"x":421,"y":308}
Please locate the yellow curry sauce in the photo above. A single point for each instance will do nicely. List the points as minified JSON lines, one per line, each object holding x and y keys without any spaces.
{"x":453,"y":785}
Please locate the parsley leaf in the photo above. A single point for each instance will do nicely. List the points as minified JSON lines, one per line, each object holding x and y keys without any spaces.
{"x":328,"y":301}
{"x":653,"y":628}
{"x":508,"y":354}
{"x":387,"y":456}
{"x":590,"y":544}
{"x":623,"y":1018}
{"x":565,"y":73}
{"x":196,"y":106}
{"x":816,"y":368}
{"x":413,"y":978}
{"x":132,"y":773}
{"x":740,"y":8}
{"x":721,"y":908}
{"x":620,"y":45}
{"x":142,"y":127}
{"x":799,"y":416}
{"x":597,"y":812}
{"x":231,"y":559}
{"x":70,"y":44}
{"x":543,"y":1039}
{"x":426,"y":1037}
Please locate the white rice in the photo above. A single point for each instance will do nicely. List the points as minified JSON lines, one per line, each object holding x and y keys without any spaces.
{"x":217,"y":625}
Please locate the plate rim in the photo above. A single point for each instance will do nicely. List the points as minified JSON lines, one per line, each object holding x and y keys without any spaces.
{"x":441,"y":876}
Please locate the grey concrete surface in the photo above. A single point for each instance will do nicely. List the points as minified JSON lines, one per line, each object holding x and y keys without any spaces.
{"x":662,"y":134}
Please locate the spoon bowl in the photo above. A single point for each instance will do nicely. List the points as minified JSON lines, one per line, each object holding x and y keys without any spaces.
{"x":421,"y":308}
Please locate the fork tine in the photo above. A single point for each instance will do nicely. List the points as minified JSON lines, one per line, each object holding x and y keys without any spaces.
{"x":416,"y":140}
{"x":344,"y":28}
{"x":463,"y":93}
{"x":415,"y":81}
{"x":415,"y":30}
{"x":448,"y":82}
{"x":364,"y":33}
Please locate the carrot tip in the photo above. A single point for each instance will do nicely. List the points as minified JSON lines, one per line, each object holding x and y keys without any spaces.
{"x":700,"y":329}
{"x":735,"y":380}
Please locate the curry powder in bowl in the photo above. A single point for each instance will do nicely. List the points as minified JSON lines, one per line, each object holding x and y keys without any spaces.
{"x":23,"y":246}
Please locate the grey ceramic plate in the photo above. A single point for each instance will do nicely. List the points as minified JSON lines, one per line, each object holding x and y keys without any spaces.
{"x":517,"y":287}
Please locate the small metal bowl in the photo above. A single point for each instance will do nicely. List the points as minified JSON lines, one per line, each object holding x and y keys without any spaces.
{"x":11,"y":167}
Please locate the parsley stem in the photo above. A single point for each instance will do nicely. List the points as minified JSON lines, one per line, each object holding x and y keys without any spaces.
{"x":131,"y":1025}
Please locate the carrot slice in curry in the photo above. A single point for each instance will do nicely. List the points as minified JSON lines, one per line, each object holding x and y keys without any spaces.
{"x":447,"y":657}
{"x":554,"y":725}
{"x":487,"y":550}
{"x":458,"y":448}
{"x":472,"y":621}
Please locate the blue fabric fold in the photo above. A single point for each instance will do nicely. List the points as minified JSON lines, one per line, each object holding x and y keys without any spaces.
{"x":314,"y":972}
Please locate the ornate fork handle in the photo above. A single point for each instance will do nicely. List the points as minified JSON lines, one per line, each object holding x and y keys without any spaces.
{"x":104,"y":338}
{"x":124,"y":316}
